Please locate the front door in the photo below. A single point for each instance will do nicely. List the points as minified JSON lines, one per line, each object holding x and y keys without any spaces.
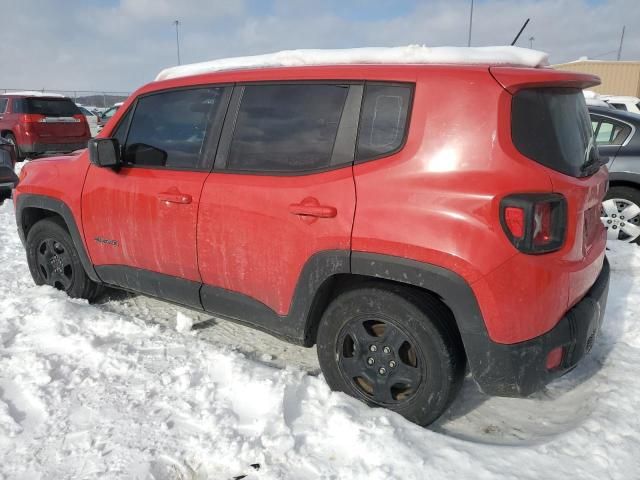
{"x":140,"y":221}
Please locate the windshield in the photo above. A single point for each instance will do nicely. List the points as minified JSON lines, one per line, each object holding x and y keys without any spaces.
{"x":51,"y":107}
{"x":552,"y":127}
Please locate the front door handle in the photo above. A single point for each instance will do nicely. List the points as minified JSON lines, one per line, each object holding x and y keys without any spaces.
{"x":310,"y":207}
{"x":175,"y":197}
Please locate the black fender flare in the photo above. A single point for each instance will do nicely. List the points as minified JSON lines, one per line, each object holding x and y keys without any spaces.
{"x":43,"y":202}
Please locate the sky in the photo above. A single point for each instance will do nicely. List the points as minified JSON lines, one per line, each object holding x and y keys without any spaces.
{"x":119,"y":45}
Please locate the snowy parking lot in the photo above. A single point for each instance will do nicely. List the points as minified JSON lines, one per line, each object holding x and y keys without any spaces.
{"x":115,"y":390}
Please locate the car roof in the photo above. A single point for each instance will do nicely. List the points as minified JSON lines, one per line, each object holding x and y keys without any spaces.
{"x":628,"y":117}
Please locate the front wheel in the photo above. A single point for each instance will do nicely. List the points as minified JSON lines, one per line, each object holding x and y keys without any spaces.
{"x":621,"y":214}
{"x":394,"y":348}
{"x":53,"y":260}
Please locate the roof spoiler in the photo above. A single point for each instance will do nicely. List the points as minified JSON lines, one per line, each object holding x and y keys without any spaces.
{"x":514,"y":79}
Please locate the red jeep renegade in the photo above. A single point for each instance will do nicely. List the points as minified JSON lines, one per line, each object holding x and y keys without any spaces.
{"x":410,"y":220}
{"x":37,"y":123}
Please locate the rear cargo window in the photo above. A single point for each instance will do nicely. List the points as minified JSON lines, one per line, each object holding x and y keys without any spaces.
{"x":383,"y":120}
{"x":552,"y":127}
{"x":50,"y":107}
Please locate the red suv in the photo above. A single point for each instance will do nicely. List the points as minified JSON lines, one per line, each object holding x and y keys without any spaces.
{"x":410,"y":220}
{"x":38,"y":124}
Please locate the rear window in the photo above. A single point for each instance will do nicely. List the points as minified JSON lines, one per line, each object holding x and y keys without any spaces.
{"x":49,"y":107}
{"x":552,"y":127}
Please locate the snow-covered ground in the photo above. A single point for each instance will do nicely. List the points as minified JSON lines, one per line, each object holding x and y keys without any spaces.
{"x":115,"y":390}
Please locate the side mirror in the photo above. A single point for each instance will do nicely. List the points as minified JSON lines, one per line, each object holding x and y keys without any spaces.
{"x":105,"y":152}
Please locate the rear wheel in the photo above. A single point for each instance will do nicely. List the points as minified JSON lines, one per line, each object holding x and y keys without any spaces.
{"x":53,"y":260}
{"x":621,"y":214}
{"x":392,"y":348}
{"x":10,"y":137}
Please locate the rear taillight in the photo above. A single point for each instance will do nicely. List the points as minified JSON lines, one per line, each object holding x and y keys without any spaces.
{"x":32,"y":118}
{"x":534,"y":222}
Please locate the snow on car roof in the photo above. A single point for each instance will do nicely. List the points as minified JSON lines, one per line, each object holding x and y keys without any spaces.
{"x":411,"y":54}
{"x":31,"y":93}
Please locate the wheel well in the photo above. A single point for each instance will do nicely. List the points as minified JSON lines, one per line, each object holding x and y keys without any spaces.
{"x":337,"y":284}
{"x":32,"y":215}
{"x":624,"y":183}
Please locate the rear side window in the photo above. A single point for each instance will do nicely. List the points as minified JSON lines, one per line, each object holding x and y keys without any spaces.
{"x":383,"y":120}
{"x":619,"y":106}
{"x":3,"y":105}
{"x":49,"y":107}
{"x":168,"y":129}
{"x":609,"y":132}
{"x":286,"y":128}
{"x":552,"y":127}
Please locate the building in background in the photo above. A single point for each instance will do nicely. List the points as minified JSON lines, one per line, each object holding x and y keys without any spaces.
{"x":618,"y":78}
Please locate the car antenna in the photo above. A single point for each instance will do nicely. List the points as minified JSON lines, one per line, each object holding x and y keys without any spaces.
{"x":520,"y":32}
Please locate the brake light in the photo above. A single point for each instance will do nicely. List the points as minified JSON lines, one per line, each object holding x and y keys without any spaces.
{"x":79,"y":117}
{"x":514,"y":218}
{"x":534,"y":222}
{"x":32,"y":118}
{"x":554,"y":358}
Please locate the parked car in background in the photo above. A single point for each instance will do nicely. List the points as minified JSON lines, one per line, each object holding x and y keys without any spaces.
{"x":41,"y":123}
{"x":235,"y":193}
{"x":107,"y":114}
{"x":92,"y":119}
{"x":629,"y":104}
{"x":618,"y":140}
{"x":8,"y":178}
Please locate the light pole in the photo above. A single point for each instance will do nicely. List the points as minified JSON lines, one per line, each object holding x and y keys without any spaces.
{"x":177,"y":24}
{"x":470,"y":24}
{"x":531,"y":39}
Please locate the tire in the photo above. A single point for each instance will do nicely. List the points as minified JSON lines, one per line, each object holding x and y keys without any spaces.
{"x":617,"y":201}
{"x":409,"y":335}
{"x":53,"y":260}
{"x":10,"y":137}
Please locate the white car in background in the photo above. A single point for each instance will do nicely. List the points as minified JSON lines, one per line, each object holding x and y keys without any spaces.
{"x":629,"y":104}
{"x":92,"y":119}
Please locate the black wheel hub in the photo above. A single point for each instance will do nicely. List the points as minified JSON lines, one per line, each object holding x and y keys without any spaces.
{"x":54,"y":264}
{"x":379,"y":360}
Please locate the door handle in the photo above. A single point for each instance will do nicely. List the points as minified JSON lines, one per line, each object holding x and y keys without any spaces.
{"x":173,"y":197}
{"x":311,"y":210}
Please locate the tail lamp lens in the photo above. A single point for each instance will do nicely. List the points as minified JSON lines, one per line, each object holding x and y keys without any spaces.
{"x":534,"y":222}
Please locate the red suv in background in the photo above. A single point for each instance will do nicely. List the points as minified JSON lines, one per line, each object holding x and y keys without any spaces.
{"x":408,"y":219}
{"x":38,"y":124}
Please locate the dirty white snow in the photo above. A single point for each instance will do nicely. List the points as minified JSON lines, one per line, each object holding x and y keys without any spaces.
{"x":411,"y":54}
{"x":114,"y":391}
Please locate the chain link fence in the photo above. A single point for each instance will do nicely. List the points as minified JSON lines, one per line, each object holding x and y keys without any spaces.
{"x":88,"y":98}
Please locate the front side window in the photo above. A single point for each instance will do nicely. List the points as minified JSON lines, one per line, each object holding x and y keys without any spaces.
{"x":168,"y":129}
{"x":3,"y":105}
{"x":286,"y":128}
{"x":383,"y":120}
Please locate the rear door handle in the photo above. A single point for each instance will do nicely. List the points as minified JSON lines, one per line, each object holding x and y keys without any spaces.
{"x":320,"y":211}
{"x":173,"y":197}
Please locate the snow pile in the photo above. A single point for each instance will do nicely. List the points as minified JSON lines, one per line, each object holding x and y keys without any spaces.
{"x":100,"y":391}
{"x":412,"y":54}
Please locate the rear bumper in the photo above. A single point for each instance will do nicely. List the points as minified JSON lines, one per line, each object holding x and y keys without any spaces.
{"x":518,"y":370}
{"x":53,"y":147}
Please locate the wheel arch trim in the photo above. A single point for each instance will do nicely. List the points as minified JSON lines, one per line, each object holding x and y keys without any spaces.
{"x":42,"y":202}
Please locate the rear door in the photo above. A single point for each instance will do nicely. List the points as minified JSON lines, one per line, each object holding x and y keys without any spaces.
{"x":282,"y":190}
{"x":140,"y":221}
{"x":610,"y":135}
